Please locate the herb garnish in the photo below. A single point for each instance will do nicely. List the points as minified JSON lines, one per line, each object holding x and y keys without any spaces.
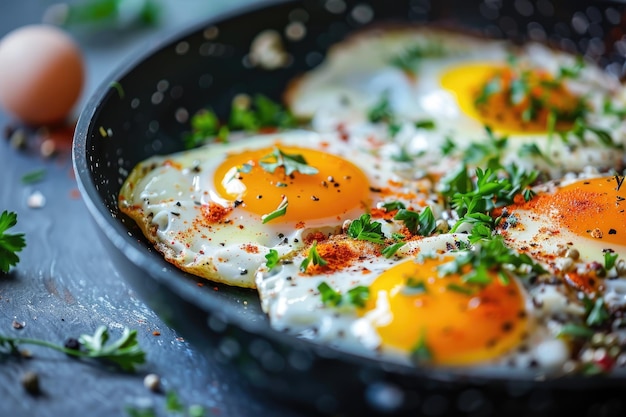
{"x":356,"y":297}
{"x":413,"y":286}
{"x":271,"y":259}
{"x":492,"y":188}
{"x":10,"y":244}
{"x":253,"y":116}
{"x":422,"y":223}
{"x":421,"y":353}
{"x":289,"y":162}
{"x":312,"y":258}
{"x":365,"y":229}
{"x":410,"y":58}
{"x":172,"y":405}
{"x":204,"y":125}
{"x":391,"y":250}
{"x":34,"y":176}
{"x":281,"y":210}
{"x":124,"y":352}
{"x":610,"y":259}
{"x":489,"y":255}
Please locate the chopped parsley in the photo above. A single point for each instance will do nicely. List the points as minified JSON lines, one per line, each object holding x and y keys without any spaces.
{"x":610,"y":259}
{"x":391,"y":250}
{"x":365,"y":229}
{"x":10,"y":244}
{"x":410,"y":58}
{"x":313,"y":258}
{"x":421,"y":353}
{"x":492,"y":188}
{"x":393,"y":206}
{"x":205,"y":125}
{"x":272,"y":259}
{"x":414,"y":286}
{"x":597,"y":314}
{"x":422,"y":223}
{"x":262,"y":112}
{"x":488,"y":256}
{"x":289,"y":162}
{"x":281,"y":210}
{"x":354,"y":297}
{"x":252,"y":116}
{"x":34,"y":176}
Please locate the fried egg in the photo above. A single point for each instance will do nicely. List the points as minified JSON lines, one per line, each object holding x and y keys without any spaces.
{"x":583,"y":217}
{"x":404,"y":309}
{"x":548,"y":107}
{"x":216,"y":211}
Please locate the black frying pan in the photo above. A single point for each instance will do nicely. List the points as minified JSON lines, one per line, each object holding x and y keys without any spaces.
{"x":140,"y":111}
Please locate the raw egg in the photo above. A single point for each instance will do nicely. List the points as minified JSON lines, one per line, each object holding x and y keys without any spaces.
{"x":41,"y":74}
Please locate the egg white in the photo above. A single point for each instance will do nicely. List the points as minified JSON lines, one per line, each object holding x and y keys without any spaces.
{"x":164,"y":195}
{"x":358,"y":72}
{"x":294,"y":305}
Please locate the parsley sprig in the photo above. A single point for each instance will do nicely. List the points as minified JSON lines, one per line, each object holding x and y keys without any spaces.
{"x":409,"y":59}
{"x":422,"y":223}
{"x":487,"y":256}
{"x":280,"y":211}
{"x":475,"y":199}
{"x":354,"y":297}
{"x":251,"y":116}
{"x":124,"y":352}
{"x":10,"y":244}
{"x":289,"y":162}
{"x":313,"y":258}
{"x":364,"y":228}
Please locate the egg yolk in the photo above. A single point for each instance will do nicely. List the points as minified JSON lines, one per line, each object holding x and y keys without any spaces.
{"x":592,"y":208}
{"x":512,"y":100}
{"x":458,"y":323}
{"x":263,"y":180}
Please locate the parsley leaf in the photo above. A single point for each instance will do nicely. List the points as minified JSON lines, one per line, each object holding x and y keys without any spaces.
{"x":272,"y":259}
{"x":281,"y":210}
{"x":410,"y":58}
{"x":421,"y":352}
{"x":330,"y":297}
{"x":204,"y":125}
{"x":413,"y":286}
{"x":358,"y":296}
{"x":34,"y":176}
{"x":597,"y":313}
{"x":289,"y":162}
{"x":312,"y":258}
{"x":391,"y":250}
{"x":610,"y":259}
{"x":491,"y":255}
{"x":124,"y":352}
{"x":422,"y":223}
{"x":365,"y":229}
{"x":355,"y":297}
{"x":393,"y":206}
{"x":10,"y":244}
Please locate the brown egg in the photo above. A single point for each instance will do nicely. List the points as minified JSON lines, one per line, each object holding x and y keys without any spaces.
{"x":41,"y":74}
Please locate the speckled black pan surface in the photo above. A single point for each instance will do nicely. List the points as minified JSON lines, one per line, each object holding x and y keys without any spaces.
{"x":143,"y":110}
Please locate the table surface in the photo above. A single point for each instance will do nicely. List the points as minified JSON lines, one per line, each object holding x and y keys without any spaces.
{"x":65,"y":286}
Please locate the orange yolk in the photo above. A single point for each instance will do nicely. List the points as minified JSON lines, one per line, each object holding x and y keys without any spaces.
{"x":338,"y":186}
{"x":592,"y":208}
{"x":501,"y":109}
{"x":459,"y":323}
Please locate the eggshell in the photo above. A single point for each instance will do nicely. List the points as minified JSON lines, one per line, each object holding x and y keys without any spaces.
{"x":41,"y":74}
